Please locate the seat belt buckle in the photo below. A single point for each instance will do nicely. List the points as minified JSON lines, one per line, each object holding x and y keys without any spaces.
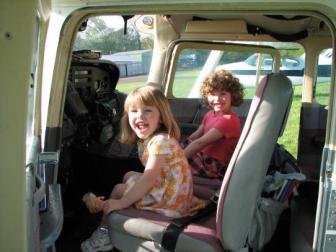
{"x":215,"y":197}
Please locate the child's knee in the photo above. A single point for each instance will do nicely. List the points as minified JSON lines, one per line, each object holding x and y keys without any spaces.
{"x":129,"y":175}
{"x":118,"y":191}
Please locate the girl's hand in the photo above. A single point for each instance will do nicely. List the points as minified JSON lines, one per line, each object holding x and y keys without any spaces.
{"x":100,"y":202}
{"x":112,"y":205}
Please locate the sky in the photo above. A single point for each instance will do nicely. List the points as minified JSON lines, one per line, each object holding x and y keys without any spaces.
{"x":113,"y":21}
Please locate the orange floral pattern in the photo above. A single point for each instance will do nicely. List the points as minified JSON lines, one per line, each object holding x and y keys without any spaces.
{"x":172,"y":194}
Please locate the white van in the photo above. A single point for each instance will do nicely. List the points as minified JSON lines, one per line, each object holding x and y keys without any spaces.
{"x":66,"y":69}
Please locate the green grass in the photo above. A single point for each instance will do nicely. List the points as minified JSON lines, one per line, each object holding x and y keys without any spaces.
{"x":185,"y":79}
{"x":290,"y":135}
{"x":183,"y":82}
{"x":128,"y":87}
{"x":322,"y":91}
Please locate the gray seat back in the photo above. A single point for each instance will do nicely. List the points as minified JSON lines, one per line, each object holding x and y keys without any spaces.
{"x":243,"y":181}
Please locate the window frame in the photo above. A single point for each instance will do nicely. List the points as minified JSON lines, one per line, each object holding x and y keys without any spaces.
{"x":175,"y":51}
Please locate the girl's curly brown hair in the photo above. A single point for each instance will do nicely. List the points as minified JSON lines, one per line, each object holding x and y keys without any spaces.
{"x":224,"y":81}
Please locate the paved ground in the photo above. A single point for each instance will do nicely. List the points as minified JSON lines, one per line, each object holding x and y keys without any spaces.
{"x":133,"y":79}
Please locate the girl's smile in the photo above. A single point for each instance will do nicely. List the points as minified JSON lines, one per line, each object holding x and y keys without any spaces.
{"x":220,"y":101}
{"x":144,"y":120}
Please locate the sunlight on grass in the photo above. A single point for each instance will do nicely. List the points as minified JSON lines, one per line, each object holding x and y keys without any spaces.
{"x":183,"y":82}
{"x":128,"y":87}
{"x":291,"y":134}
{"x":289,"y":137}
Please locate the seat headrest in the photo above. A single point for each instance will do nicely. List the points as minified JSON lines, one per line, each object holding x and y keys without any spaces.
{"x":100,"y":75}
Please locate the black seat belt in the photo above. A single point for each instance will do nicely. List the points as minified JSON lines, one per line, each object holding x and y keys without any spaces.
{"x":176,"y":226}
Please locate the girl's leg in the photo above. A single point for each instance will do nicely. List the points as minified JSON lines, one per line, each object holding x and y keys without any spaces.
{"x":100,"y":239}
{"x":205,"y":166}
{"x":197,"y":164}
{"x":118,"y":191}
{"x":131,"y":174}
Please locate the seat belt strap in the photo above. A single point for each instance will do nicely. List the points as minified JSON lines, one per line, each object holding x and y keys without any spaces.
{"x":176,"y":226}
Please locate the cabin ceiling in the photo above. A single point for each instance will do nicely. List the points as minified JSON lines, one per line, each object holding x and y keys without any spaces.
{"x":286,"y":25}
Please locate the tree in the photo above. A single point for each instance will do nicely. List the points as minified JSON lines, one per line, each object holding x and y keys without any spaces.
{"x":98,"y":36}
{"x":147,"y":42}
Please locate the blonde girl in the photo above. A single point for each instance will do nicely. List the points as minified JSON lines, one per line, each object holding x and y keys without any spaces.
{"x":165,"y":186}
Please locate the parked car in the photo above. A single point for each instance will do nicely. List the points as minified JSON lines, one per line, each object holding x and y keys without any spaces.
{"x":293,"y":68}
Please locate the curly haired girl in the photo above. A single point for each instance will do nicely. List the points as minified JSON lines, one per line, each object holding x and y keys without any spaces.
{"x":210,"y":147}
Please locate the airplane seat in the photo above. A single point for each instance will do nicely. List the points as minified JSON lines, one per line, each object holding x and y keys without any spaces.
{"x":243,"y":218}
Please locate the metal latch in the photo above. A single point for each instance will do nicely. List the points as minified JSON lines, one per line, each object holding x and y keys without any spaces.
{"x":45,"y":159}
{"x":48,"y":157}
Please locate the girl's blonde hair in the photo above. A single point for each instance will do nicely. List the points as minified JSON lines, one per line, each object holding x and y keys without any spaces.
{"x":148,"y":96}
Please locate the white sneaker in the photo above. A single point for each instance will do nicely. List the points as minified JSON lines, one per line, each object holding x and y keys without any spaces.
{"x":99,"y":241}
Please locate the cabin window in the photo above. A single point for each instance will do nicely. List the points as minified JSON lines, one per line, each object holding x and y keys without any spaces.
{"x":248,"y":66}
{"x":194,"y":64}
{"x":131,"y":52}
{"x":322,"y":88}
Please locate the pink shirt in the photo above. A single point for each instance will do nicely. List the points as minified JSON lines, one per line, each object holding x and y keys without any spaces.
{"x":229,"y":125}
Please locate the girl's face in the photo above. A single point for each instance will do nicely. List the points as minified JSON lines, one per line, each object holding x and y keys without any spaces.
{"x":144,"y":120}
{"x":220,"y":101}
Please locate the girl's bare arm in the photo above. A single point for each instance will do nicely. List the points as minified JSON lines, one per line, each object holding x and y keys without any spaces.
{"x":196,"y":134}
{"x":200,"y":143}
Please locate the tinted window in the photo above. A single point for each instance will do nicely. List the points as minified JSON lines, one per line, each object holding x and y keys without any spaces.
{"x":322,"y":88}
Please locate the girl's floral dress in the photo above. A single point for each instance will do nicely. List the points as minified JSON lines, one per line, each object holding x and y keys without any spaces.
{"x":172,"y":194}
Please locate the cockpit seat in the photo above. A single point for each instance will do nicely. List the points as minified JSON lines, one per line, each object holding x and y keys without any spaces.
{"x":92,"y":101}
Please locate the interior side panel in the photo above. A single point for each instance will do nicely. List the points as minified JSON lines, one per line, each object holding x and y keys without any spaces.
{"x":185,"y":109}
{"x":311,"y":139}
